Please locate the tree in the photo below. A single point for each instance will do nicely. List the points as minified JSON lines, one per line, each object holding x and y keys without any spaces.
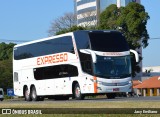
{"x":62,"y":23}
{"x":6,"y":50}
{"x":109,"y":17}
{"x":68,"y":23}
{"x":6,"y":75}
{"x":131,"y":21}
{"x":6,"y":72}
{"x":73,"y":28}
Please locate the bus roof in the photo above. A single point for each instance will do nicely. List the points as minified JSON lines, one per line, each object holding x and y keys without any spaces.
{"x":43,"y":39}
{"x":61,"y":35}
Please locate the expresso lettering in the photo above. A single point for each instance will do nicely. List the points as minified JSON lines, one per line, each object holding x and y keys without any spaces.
{"x":52,"y":59}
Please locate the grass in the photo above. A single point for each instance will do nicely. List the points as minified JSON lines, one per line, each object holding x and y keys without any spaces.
{"x":81,"y":104}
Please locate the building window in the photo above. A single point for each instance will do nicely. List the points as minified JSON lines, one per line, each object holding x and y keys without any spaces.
{"x":89,"y":9}
{"x":87,"y":19}
{"x":153,"y":91}
{"x":146,"y":91}
{"x":84,"y":2}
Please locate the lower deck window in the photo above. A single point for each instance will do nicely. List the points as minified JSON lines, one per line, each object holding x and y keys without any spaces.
{"x":58,"y":71}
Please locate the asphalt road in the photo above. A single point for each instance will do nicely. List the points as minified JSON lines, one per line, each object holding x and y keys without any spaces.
{"x":141,"y":98}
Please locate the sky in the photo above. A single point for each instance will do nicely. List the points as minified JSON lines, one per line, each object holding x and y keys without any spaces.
{"x":25,"y":20}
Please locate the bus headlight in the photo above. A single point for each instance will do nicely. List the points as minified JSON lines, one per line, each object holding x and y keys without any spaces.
{"x":130,"y":82}
{"x":100,"y":83}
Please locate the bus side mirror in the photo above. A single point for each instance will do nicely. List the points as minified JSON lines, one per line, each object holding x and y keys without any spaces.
{"x":136,"y":55}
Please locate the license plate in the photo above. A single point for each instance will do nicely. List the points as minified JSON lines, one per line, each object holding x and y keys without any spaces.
{"x":115,"y":89}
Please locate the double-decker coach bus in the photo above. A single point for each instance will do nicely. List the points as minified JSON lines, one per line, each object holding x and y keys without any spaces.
{"x":75,"y":64}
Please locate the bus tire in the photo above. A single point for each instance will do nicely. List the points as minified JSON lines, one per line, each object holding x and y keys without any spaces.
{"x":77,"y":92}
{"x":34,"y":96}
{"x":27,"y":95}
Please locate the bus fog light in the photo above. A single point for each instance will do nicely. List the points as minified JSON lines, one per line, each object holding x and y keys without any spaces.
{"x":93,"y":80}
{"x":99,"y":88}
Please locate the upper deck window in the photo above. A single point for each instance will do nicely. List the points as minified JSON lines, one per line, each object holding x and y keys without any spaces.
{"x":108,"y":42}
{"x":57,"y":45}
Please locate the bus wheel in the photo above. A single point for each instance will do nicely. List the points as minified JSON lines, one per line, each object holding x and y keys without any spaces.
{"x":27,"y":94}
{"x":77,"y":92}
{"x":34,"y":95}
{"x":111,"y":95}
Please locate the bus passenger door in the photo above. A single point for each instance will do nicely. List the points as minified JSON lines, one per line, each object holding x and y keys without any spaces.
{"x":63,"y":84}
{"x":69,"y":73}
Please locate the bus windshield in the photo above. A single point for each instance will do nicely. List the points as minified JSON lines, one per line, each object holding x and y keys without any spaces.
{"x":112,"y":67}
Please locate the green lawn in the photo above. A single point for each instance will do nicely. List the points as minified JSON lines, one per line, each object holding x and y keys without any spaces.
{"x":82,"y":104}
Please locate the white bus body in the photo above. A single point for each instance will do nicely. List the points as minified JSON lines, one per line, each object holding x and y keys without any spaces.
{"x":1,"y":94}
{"x":74,"y":64}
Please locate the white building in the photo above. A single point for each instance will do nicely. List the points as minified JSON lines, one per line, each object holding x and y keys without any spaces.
{"x":87,"y":11}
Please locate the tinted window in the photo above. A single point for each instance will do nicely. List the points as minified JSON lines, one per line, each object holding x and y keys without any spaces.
{"x":113,"y":67}
{"x":86,"y":62}
{"x":82,"y":39}
{"x":62,"y":44}
{"x":1,"y":93}
{"x":58,"y":71}
{"x":108,"y":42}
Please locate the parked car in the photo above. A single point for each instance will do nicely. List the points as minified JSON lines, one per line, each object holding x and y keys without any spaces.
{"x":1,"y":94}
